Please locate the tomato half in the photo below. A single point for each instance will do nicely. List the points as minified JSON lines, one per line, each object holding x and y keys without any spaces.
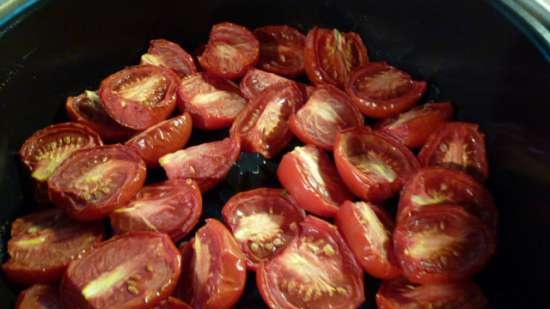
{"x":263,"y":124}
{"x":173,"y":303}
{"x":330,"y":56}
{"x":256,"y":81}
{"x":163,"y":138}
{"x":367,"y":230}
{"x":327,"y":111}
{"x":442,"y":243}
{"x":399,"y":293}
{"x":315,"y":271}
{"x":140,"y":96}
{"x":133,"y":271}
{"x":39,"y":297}
{"x":87,"y":109}
{"x":207,"y":163}
{"x":281,"y":50}
{"x":231,"y":51}
{"x":311,"y":178}
{"x":46,"y":149}
{"x":93,"y":182}
{"x":458,"y":145}
{"x":374,"y":166}
{"x":173,"y":207}
{"x":212,"y":101}
{"x":44,"y":243}
{"x":413,"y":128}
{"x":169,"y":55}
{"x":380,"y":90}
{"x":184,"y":288}
{"x":437,"y":185}
{"x":262,"y":221}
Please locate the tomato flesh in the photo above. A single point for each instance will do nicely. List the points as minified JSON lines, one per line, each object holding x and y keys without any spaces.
{"x":256,"y":81}
{"x":39,"y":297}
{"x":169,"y":55}
{"x":281,"y":50}
{"x":173,"y":303}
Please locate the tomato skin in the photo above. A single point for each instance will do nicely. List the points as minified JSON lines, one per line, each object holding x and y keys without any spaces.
{"x":281,"y":50}
{"x":346,"y":51}
{"x":466,"y":149}
{"x":38,"y":297}
{"x":130,"y":111}
{"x":306,"y":122}
{"x":256,"y":81}
{"x":63,"y":186}
{"x":400,"y":293}
{"x":228,"y":38}
{"x":413,"y":128}
{"x":169,"y":55}
{"x":360,"y":235}
{"x":383,"y":102}
{"x":184,"y":288}
{"x":173,"y":303}
{"x":163,"y":138}
{"x":369,"y":185}
{"x":442,"y":243}
{"x":271,"y":202}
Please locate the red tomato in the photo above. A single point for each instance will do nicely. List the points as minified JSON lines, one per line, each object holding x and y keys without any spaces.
{"x":207,"y":163}
{"x":184,"y":288}
{"x":218,"y":268}
{"x":437,"y":185}
{"x":43,"y":244}
{"x":87,"y":109}
{"x":315,"y":271}
{"x":46,"y":149}
{"x":380,"y":90}
{"x":173,"y":303}
{"x":398,"y":294}
{"x":442,"y":243}
{"x":263,"y":221}
{"x":367,"y":229}
{"x":140,"y":96}
{"x":457,"y":145}
{"x":373,"y":165}
{"x":93,"y":182}
{"x":415,"y":126}
{"x":281,"y":50}
{"x":231,"y":51}
{"x":256,"y":81}
{"x":263,"y":124}
{"x":173,"y":207}
{"x":169,"y":55}
{"x":311,"y":178}
{"x":212,"y":101}
{"x":39,"y":297}
{"x":133,"y":271}
{"x":163,"y":138}
{"x":327,"y":111}
{"x":330,"y":56}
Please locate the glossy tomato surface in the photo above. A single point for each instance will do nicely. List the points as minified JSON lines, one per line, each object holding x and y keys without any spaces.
{"x":309,"y":175}
{"x":165,"y":137}
{"x":173,"y":303}
{"x":281,"y":50}
{"x":133,"y":271}
{"x":140,"y":96}
{"x":256,"y":81}
{"x":212,"y":101}
{"x":368,"y":230}
{"x":263,"y":221}
{"x":231,"y":51}
{"x":42,"y":244}
{"x":173,"y":207}
{"x":39,"y":297}
{"x":327,"y":112}
{"x":380,"y":90}
{"x":207,"y":163}
{"x":93,"y":182}
{"x":169,"y":55}
{"x":442,"y":243}
{"x":374,"y":166}
{"x":315,"y":271}
{"x":330,"y":56}
{"x":458,"y":145}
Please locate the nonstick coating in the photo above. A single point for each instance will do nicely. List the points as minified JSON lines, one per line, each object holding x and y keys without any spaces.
{"x":467,"y":52}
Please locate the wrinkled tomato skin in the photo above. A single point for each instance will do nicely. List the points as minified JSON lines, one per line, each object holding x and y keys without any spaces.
{"x":173,"y":303}
{"x":256,"y":81}
{"x":163,"y":138}
{"x":171,"y":56}
{"x":184,"y":288}
{"x":39,"y":297}
{"x":281,"y":50}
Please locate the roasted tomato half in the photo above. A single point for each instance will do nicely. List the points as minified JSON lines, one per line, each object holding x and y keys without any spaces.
{"x":315,"y":271}
{"x":173,"y":303}
{"x":374,"y":166}
{"x":93,"y":182}
{"x":256,"y":81}
{"x":39,"y":297}
{"x":169,"y":55}
{"x":263,"y":221}
{"x":380,"y":90}
{"x":281,"y":50}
